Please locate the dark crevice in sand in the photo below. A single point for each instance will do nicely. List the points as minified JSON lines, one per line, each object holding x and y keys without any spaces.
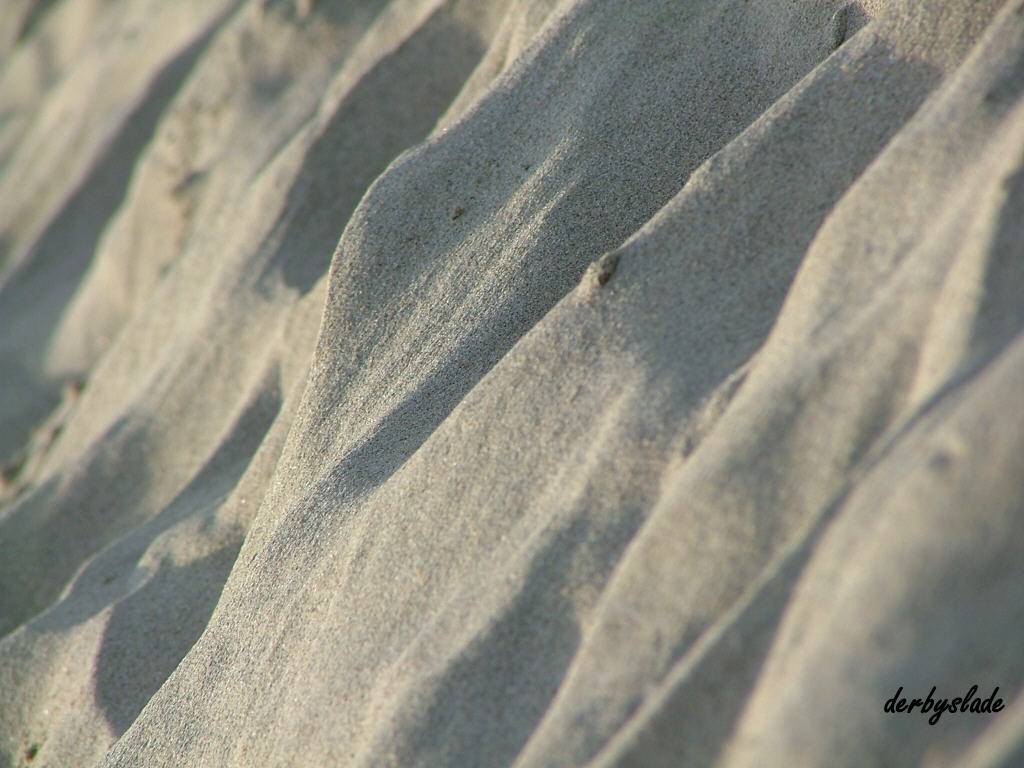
{"x":165,"y":617}
{"x":44,"y":281}
{"x":664,"y":730}
{"x":439,"y":730}
{"x":120,"y":542}
{"x":317,"y":210}
{"x":34,"y":17}
{"x":17,"y":472}
{"x":45,"y":517}
{"x":399,"y":434}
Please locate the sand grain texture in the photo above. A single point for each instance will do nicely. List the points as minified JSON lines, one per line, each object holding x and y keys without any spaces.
{"x":510,"y":382}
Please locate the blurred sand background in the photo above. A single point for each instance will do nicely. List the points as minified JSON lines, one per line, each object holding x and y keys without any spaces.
{"x":510,"y":382}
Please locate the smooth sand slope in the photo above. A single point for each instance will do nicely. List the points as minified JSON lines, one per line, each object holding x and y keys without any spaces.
{"x":510,"y":382}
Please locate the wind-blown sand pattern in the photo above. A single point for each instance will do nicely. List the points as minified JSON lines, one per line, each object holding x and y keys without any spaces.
{"x":510,"y":382}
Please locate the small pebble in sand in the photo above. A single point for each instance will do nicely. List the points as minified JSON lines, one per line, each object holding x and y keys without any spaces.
{"x":605,"y":268}
{"x":840,"y":26}
{"x":598,"y":274}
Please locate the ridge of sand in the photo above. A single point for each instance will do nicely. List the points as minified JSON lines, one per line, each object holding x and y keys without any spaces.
{"x":509,"y":382}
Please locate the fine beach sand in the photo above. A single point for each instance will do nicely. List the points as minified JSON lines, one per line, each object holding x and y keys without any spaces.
{"x":510,"y":382}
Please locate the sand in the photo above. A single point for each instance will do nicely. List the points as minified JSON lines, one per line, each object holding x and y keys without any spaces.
{"x":510,"y":382}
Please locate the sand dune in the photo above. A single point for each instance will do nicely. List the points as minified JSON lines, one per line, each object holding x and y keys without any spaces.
{"x":510,"y":382}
